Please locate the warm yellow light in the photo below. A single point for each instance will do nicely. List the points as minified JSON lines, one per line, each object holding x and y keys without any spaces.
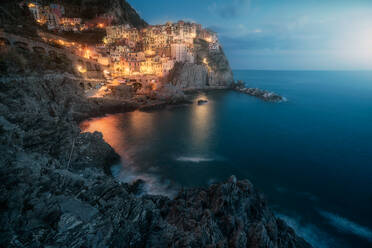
{"x":205,"y":61}
{"x":31,"y":5}
{"x":87,"y":54}
{"x":62,"y":42}
{"x":40,"y":21}
{"x":149,"y":52}
{"x":101,"y":25}
{"x":81,"y":69}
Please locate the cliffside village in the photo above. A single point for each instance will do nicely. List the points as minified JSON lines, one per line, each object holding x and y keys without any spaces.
{"x":126,"y":53}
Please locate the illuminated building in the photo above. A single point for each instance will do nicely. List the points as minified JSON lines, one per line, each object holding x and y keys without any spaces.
{"x":179,"y":52}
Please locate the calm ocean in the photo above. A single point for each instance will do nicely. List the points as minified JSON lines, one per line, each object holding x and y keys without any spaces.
{"x":311,"y":156}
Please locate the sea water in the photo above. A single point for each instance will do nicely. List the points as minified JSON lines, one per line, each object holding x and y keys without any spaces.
{"x":311,"y":156}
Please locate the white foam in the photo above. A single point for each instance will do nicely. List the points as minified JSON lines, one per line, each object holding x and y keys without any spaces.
{"x":346,"y":225}
{"x":309,"y":232}
{"x":153,"y":183}
{"x":284,"y":99}
{"x":194,"y":159}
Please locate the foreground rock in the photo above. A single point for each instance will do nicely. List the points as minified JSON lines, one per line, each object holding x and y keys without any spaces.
{"x":230,"y":214}
{"x":262,"y":94}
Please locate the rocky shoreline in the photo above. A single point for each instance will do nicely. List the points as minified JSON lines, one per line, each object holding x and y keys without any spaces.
{"x":262,"y":94}
{"x":57,"y":190}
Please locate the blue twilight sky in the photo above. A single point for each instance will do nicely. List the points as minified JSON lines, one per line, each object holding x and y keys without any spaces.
{"x":279,"y":34}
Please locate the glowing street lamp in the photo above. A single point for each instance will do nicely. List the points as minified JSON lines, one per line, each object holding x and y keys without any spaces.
{"x":81,"y":69}
{"x":87,"y":54}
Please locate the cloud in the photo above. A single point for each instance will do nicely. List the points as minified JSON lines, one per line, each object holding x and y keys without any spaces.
{"x":230,"y":9}
{"x":260,"y":41}
{"x":329,"y":39}
{"x":285,"y":36}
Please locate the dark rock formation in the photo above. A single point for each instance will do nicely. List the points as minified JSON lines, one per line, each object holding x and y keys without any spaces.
{"x":202,"y":101}
{"x":262,"y":94}
{"x":216,"y":74}
{"x":14,"y":19}
{"x":89,"y":9}
{"x":230,"y":214}
{"x":121,"y":91}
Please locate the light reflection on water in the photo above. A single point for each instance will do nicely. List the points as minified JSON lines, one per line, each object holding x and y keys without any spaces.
{"x":201,"y":121}
{"x":129,"y":135}
{"x":140,"y":125}
{"x":109,"y":126}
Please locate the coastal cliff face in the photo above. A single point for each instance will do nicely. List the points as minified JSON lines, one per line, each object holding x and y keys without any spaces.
{"x":120,"y":9}
{"x":57,"y":190}
{"x":88,"y":9}
{"x":211,"y":70}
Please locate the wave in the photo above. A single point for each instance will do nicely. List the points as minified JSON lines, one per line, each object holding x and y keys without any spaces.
{"x":154,"y":185}
{"x":346,"y":225}
{"x":309,"y":232}
{"x":194,"y":159}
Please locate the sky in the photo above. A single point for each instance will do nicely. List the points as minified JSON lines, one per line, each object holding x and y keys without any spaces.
{"x":278,"y":34}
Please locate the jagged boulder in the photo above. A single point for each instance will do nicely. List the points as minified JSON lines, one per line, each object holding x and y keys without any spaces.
{"x":230,"y":214}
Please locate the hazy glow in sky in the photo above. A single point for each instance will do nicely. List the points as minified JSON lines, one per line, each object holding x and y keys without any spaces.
{"x":284,"y":34}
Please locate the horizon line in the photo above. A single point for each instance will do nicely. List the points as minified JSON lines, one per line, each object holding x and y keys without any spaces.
{"x":351,"y":70}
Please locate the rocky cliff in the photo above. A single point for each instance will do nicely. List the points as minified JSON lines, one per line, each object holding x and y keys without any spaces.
{"x":123,"y":13}
{"x":211,"y":70}
{"x":89,"y":9}
{"x":14,"y":19}
{"x":56,"y":189}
